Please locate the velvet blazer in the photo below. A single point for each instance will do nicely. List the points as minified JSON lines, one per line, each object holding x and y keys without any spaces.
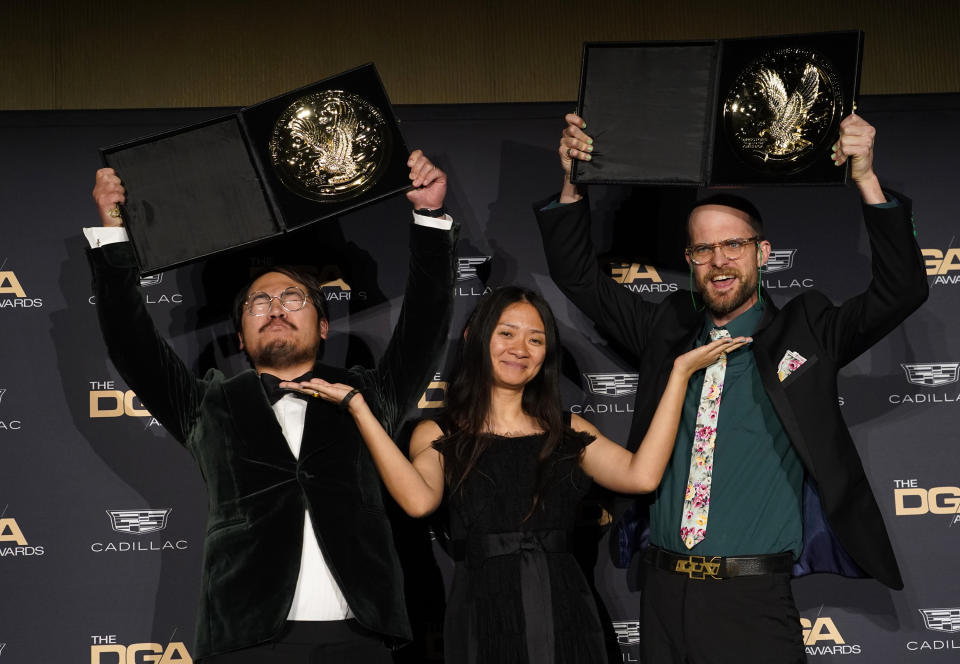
{"x":257,"y":491}
{"x":843,"y":528}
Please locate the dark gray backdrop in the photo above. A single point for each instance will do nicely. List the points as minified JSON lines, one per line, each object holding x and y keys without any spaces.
{"x":77,"y":586}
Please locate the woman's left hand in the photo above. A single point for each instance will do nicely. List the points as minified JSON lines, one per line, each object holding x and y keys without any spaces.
{"x":705,"y":355}
{"x":332,"y":392}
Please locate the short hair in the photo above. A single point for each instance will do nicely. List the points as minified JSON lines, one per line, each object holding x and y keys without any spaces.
{"x":310,"y":282}
{"x":730,"y":201}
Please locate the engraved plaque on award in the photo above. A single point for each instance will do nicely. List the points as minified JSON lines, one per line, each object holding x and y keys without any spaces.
{"x":782,"y":110}
{"x":330,"y":145}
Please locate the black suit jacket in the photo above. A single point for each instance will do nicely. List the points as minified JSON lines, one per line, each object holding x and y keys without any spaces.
{"x":257,"y":491}
{"x":807,"y":402}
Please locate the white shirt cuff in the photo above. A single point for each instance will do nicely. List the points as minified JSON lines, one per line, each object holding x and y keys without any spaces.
{"x":443,"y":223}
{"x":98,"y":236}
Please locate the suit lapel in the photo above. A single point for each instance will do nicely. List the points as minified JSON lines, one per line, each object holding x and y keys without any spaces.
{"x":261,"y":438}
{"x":771,"y":383}
{"x":326,"y":423}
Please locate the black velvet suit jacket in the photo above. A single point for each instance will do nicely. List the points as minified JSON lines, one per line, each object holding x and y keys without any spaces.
{"x":807,"y":402}
{"x":257,"y":491}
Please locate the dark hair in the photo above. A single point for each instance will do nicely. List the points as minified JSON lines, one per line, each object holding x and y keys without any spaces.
{"x":302,"y":276}
{"x":731,"y":201}
{"x":468,"y":396}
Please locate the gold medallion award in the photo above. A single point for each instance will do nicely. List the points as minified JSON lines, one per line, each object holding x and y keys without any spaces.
{"x":330,"y":145}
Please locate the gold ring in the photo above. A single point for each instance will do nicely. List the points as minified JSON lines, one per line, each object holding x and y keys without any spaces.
{"x":316,"y":394}
{"x":723,"y":356}
{"x":114,"y":212}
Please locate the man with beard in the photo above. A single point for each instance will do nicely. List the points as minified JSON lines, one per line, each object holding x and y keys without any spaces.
{"x":298,"y":564}
{"x":769,"y":484}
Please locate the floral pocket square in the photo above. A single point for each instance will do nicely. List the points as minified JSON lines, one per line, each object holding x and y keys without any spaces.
{"x":791,"y":362}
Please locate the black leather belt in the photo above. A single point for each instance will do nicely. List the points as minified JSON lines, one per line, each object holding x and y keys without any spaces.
{"x":719,"y":567}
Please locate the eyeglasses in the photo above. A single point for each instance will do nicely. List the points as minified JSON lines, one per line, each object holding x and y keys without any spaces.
{"x":732,"y":249}
{"x":291,"y":299}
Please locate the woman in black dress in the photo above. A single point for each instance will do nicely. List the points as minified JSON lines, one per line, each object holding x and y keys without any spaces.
{"x":514,"y":467}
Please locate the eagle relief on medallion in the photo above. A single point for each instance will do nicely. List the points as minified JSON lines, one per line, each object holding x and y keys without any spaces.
{"x":782,"y":110}
{"x":330,"y":145}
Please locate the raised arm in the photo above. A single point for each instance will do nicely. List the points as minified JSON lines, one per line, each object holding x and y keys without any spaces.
{"x":565,"y":228}
{"x":899,"y":282}
{"x":421,"y":330}
{"x":615,"y":468}
{"x":164,"y":384}
{"x":416,"y":484}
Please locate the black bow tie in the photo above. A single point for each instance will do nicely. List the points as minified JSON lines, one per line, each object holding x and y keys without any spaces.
{"x":271,"y":385}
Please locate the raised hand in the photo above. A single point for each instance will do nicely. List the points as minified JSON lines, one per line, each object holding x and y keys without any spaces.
{"x":430,"y":183}
{"x":108,"y":193}
{"x":857,"y":137}
{"x":574,"y":143}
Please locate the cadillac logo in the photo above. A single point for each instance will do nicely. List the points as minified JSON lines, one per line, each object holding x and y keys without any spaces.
{"x":467,"y":267}
{"x":612,"y":384}
{"x":780,"y":260}
{"x":933,"y":374}
{"x":941,"y":620}
{"x":138,"y":522}
{"x":628,"y":632}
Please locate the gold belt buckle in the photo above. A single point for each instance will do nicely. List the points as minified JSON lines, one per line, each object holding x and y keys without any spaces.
{"x":699,"y":567}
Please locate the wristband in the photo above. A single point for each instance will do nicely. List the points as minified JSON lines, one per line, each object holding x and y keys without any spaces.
{"x":436,"y":214}
{"x":345,"y":401}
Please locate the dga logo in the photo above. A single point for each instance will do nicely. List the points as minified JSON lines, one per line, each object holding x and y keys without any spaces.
{"x":8,"y":425}
{"x":940,"y":264}
{"x":106,"y":650}
{"x":938,"y":620}
{"x":13,"y":542}
{"x":781,"y":260}
{"x":10,"y":285}
{"x":139,"y":523}
{"x":434,"y":395}
{"x":468,"y":269}
{"x":930,"y":374}
{"x":628,"y":274}
{"x":107,"y":401}
{"x":821,"y":637}
{"x":627,"y":631}
{"x":612,"y":384}
{"x":913,"y":500}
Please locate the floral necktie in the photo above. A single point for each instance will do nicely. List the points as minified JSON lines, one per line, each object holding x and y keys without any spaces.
{"x":696,"y":500}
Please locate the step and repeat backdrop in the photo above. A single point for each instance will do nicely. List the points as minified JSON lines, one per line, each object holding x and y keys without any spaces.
{"x":102,"y":513}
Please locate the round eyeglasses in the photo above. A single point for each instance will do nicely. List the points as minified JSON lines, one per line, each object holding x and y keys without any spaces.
{"x":291,"y":299}
{"x":732,"y":249}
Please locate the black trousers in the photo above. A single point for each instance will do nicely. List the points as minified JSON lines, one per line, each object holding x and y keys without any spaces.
{"x":314,"y":642}
{"x":743,"y":620}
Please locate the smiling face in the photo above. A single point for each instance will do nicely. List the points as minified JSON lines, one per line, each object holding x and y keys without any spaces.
{"x":728,"y":287}
{"x":518,"y":346}
{"x":281,"y":339}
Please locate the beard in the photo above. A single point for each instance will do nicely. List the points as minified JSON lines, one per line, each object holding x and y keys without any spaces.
{"x":721,"y":305}
{"x":286,"y":351}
